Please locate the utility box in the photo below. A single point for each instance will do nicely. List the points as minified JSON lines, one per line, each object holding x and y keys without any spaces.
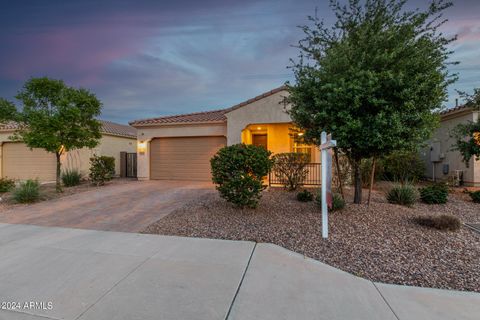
{"x":435,"y":155}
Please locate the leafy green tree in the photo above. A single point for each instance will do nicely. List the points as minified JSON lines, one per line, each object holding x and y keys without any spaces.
{"x":373,"y":79}
{"x":54,"y":117}
{"x":467,"y":135}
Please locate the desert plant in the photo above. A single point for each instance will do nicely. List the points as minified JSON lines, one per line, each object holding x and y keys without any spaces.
{"x":337,"y":201}
{"x":403,"y":194}
{"x":239,"y":170}
{"x":71,"y":178}
{"x":403,"y":166}
{"x":291,"y":168}
{"x":102,"y":169}
{"x":6,"y":184}
{"x":475,"y":196}
{"x":434,"y":193}
{"x":441,"y":222}
{"x":27,"y":192}
{"x":304,"y":196}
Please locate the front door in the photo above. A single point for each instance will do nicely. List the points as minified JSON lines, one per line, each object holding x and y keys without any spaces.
{"x":260,"y":140}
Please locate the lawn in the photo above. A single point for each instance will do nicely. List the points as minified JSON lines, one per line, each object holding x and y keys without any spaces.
{"x":380,"y":242}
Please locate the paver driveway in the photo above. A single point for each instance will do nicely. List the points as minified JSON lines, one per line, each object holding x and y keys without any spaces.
{"x":128,"y":207}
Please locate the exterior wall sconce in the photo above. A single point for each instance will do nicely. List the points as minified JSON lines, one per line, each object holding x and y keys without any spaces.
{"x":141,"y":147}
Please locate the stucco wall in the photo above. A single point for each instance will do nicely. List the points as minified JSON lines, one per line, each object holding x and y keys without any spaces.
{"x":452,"y":158}
{"x":270,"y":109}
{"x":146,"y":134}
{"x":80,"y":159}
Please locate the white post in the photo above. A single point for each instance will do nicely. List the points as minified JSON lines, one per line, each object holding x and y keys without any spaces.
{"x":323,"y":140}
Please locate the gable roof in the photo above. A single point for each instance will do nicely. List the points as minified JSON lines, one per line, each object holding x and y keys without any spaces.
{"x":215,"y":116}
{"x":108,"y":127}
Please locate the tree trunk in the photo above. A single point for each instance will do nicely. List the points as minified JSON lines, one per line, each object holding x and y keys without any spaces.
{"x":372,"y":180}
{"x":58,"y":185}
{"x":358,"y":182}
{"x":337,"y":166}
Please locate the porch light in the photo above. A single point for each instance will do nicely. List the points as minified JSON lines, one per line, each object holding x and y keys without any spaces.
{"x":141,"y":146}
{"x":300,"y":134}
{"x":259,"y":128}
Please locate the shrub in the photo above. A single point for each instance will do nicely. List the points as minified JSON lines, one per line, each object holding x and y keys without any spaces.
{"x":238,"y":170}
{"x":6,"y":184}
{"x":305,"y":196}
{"x":403,"y":194}
{"x":475,"y":196}
{"x":27,"y":192}
{"x":441,"y":222}
{"x":403,"y":166}
{"x":102,"y":169}
{"x":71,"y":178}
{"x":435,"y":193}
{"x":337,"y":201}
{"x":291,"y":168}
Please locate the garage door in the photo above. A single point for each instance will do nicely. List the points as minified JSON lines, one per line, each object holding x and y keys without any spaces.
{"x":19,"y":162}
{"x":185,"y":158}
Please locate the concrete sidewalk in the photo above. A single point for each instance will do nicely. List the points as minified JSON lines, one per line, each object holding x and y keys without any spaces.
{"x":88,"y":274}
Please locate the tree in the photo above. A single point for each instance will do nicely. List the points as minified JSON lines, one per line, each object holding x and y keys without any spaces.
{"x":467,"y":135}
{"x":54,"y":117}
{"x":373,"y":79}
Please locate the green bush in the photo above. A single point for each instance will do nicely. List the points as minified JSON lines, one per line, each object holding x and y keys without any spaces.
{"x":475,"y":196}
{"x":403,"y":194}
{"x":6,"y":184}
{"x":102,"y":169}
{"x":239,"y":170}
{"x":71,"y":178}
{"x":337,"y":201}
{"x":441,"y":222}
{"x":304,"y":196}
{"x":403,"y":166}
{"x":291,"y":168}
{"x":434,"y":193}
{"x":27,"y":192}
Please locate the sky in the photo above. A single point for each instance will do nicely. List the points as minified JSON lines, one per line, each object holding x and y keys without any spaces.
{"x":149,"y":58}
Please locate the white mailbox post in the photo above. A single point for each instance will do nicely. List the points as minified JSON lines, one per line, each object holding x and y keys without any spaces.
{"x":326,"y":148}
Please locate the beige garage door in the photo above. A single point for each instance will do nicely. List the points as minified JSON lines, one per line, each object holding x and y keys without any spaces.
{"x":19,"y":162}
{"x":183,"y":158}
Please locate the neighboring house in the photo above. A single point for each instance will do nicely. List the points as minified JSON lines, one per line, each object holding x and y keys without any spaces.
{"x":442,"y":163}
{"x":180,"y":147}
{"x":17,"y":161}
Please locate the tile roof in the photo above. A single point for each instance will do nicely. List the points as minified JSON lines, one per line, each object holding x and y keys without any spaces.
{"x":202,"y":117}
{"x":117,"y":129}
{"x":108,"y":127}
{"x":196,"y":117}
{"x":451,"y":110}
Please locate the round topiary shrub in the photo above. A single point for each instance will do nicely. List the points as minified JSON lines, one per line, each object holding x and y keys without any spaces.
{"x":238,"y":171}
{"x":304,"y":196}
{"x":434,"y":194}
{"x":403,"y":194}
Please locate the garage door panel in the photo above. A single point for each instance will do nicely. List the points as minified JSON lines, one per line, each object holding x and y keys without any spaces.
{"x":185,"y":158}
{"x":19,"y":162}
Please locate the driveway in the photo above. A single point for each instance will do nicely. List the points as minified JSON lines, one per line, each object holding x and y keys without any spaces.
{"x":97,"y":275}
{"x":128,"y":207}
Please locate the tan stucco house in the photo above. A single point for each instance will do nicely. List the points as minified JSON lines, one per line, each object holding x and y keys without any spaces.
{"x":17,"y":161}
{"x":180,"y":147}
{"x":442,"y":163}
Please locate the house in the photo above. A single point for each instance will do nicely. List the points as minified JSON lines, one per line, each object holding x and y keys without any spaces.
{"x":17,"y":161}
{"x":443,"y":163}
{"x":180,"y":147}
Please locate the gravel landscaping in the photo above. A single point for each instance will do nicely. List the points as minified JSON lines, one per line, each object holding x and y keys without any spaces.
{"x":48,"y":192}
{"x":381,"y":243}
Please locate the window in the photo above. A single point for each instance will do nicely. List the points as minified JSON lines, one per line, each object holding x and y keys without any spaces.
{"x":299,"y":146}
